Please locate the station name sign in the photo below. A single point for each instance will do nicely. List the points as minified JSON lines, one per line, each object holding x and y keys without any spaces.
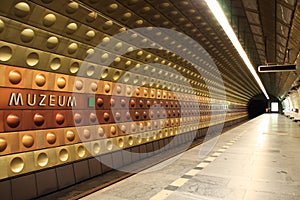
{"x":41,"y":100}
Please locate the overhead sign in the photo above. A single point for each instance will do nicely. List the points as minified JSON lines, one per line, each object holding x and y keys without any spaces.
{"x":276,"y":68}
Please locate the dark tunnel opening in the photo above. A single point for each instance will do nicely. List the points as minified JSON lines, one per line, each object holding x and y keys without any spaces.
{"x":259,"y":105}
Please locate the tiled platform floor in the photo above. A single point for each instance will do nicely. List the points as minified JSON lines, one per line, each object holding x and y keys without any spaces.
{"x":258,"y":160}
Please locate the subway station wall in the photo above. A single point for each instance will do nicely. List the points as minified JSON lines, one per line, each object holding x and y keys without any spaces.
{"x":53,"y":121}
{"x":292,"y":102}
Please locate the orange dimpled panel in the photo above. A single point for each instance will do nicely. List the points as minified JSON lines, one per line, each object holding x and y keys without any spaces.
{"x":58,"y":107}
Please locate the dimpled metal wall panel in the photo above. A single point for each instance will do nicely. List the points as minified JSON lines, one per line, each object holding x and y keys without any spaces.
{"x":58,"y":108}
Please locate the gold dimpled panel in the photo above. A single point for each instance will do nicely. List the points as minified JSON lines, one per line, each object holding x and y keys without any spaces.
{"x":21,"y":9}
{"x":49,"y":20}
{"x":66,"y":153}
{"x":42,"y":159}
{"x":81,"y":151}
{"x":63,"y":155}
{"x":27,"y":35}
{"x":46,"y":54}
{"x":32,"y":59}
{"x":17,"y":164}
{"x":5,"y":53}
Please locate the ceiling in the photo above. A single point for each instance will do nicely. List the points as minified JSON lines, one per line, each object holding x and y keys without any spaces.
{"x":268,"y":30}
{"x":274,"y":35}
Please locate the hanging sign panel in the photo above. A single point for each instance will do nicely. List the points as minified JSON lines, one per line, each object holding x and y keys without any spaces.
{"x":276,"y":68}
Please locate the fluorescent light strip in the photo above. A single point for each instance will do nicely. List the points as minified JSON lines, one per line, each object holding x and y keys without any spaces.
{"x":222,"y":19}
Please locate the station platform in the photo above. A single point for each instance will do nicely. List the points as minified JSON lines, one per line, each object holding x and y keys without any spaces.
{"x":259,"y":159}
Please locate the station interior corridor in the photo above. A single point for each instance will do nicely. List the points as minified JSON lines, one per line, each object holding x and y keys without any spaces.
{"x":149,"y":99}
{"x":259,"y":159}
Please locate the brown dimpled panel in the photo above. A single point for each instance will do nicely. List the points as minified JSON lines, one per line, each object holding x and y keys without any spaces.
{"x":78,"y":84}
{"x":9,"y":143}
{"x":93,"y":118}
{"x":71,"y":136}
{"x":119,"y":89}
{"x":13,"y":120}
{"x":105,"y":116}
{"x":15,"y":77}
{"x":124,"y":129}
{"x":60,"y":118}
{"x":99,"y":102}
{"x":61,"y":82}
{"x":135,"y":114}
{"x":101,"y":132}
{"x":113,"y":130}
{"x":102,"y":102}
{"x":79,"y":118}
{"x":86,"y":133}
{"x":49,"y":138}
{"x":119,"y":115}
{"x":40,"y":80}
{"x":27,"y":141}
{"x":145,"y":115}
{"x":119,"y":102}
{"x":42,"y":119}
{"x":2,"y":121}
{"x":106,"y":88}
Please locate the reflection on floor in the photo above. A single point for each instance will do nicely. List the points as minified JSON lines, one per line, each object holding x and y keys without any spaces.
{"x":258,"y":160}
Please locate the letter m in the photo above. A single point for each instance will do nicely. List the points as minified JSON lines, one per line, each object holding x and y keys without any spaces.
{"x":71,"y":101}
{"x":16,"y":99}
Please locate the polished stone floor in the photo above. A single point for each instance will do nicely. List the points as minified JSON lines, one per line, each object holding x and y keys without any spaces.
{"x":259,"y":159}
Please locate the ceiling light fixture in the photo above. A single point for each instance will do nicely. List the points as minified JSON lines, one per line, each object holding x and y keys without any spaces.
{"x":216,"y":9}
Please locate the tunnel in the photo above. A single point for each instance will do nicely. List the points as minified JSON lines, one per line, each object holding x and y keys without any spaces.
{"x":259,"y":105}
{"x":96,"y":91}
